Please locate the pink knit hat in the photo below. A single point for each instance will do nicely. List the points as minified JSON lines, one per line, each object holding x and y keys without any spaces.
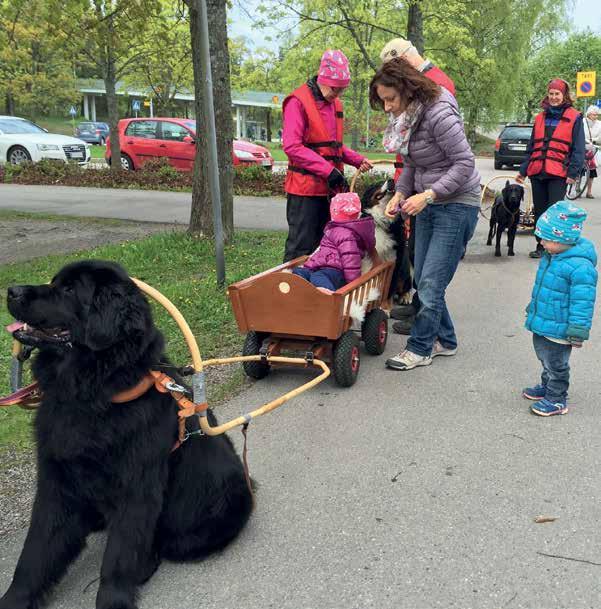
{"x":345,"y":206}
{"x":334,"y":70}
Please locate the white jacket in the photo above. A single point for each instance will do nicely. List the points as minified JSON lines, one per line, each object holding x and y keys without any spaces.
{"x":592,"y":131}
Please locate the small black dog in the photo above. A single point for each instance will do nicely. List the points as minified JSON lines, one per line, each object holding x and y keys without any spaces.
{"x":390,"y":238}
{"x":505,"y":214}
{"x":110,"y":466}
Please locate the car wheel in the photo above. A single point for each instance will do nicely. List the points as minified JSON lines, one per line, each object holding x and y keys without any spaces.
{"x":498,"y":165}
{"x":18,"y":155}
{"x":126,"y":163}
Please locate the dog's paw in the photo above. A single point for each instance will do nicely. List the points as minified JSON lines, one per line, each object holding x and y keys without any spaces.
{"x":511,"y":253}
{"x":498,"y":254}
{"x":489,"y":243}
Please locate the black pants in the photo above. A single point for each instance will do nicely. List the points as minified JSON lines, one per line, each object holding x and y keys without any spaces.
{"x":307,"y":217}
{"x":546,"y":192}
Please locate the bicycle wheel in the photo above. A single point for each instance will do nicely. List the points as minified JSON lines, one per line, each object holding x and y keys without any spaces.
{"x":576,"y":189}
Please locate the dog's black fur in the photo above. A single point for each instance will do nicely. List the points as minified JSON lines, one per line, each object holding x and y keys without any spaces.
{"x":110,"y":466}
{"x":505,"y":214}
{"x":391,"y":241}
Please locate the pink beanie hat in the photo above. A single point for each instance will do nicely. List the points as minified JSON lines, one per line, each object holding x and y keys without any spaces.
{"x":334,"y":69}
{"x":345,"y":206}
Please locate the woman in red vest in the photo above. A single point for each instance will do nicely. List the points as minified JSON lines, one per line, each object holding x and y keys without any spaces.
{"x":555,"y":153}
{"x":313,"y":141}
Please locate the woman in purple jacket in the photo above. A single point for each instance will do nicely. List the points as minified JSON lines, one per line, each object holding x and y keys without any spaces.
{"x":440,"y":186}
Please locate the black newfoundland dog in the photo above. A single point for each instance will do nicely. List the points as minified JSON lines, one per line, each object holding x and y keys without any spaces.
{"x":110,"y":466}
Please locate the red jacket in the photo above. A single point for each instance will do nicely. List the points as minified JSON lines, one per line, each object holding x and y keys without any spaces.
{"x":308,"y":123}
{"x":435,"y":74}
{"x":552,"y":155}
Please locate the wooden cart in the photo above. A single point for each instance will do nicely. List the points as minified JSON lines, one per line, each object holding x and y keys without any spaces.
{"x":279,"y":311}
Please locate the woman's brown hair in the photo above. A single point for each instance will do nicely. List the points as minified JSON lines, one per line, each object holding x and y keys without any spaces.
{"x":408,"y":82}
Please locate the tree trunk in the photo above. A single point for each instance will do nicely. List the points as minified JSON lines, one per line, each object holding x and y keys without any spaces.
{"x":268,"y":123}
{"x":201,"y":221}
{"x":10,"y":104}
{"x":110,"y":85}
{"x":415,"y":26}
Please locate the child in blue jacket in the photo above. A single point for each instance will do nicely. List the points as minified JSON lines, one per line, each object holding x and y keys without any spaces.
{"x":560,"y":313}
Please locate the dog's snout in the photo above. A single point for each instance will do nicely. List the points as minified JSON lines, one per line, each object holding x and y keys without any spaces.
{"x":16,"y":292}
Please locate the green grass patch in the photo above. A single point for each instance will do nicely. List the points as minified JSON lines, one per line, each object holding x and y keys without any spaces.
{"x":182,"y":268}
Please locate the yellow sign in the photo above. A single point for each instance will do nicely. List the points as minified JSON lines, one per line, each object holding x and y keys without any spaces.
{"x":585,"y":84}
{"x":146,"y":103}
{"x":275,"y":99}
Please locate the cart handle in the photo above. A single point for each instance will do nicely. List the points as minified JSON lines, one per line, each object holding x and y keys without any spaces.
{"x":374,"y":162}
{"x":504,"y":177}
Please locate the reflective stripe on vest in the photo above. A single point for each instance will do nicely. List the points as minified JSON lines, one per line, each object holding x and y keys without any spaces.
{"x":551,"y":155}
{"x":300,"y":181}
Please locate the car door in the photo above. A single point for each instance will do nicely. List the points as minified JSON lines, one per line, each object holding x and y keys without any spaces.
{"x":141,"y":141}
{"x":180,"y":153}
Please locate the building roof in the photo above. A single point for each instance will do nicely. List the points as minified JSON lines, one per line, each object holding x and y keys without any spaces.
{"x":257,"y":99}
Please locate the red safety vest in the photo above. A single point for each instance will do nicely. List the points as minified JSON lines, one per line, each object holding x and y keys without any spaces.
{"x":551,"y":155}
{"x":435,"y":74}
{"x":300,"y":181}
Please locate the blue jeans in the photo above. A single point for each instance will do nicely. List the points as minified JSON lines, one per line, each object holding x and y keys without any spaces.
{"x":555,"y":359}
{"x":325,"y":277}
{"x":441,"y":236}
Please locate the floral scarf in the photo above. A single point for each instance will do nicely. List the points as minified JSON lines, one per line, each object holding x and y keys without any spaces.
{"x":398,"y":131}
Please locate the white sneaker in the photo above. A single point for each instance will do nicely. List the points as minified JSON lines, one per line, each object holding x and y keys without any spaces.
{"x":438,"y":349}
{"x":407,"y":360}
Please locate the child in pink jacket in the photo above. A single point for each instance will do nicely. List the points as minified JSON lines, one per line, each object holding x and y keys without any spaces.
{"x":347,"y":238}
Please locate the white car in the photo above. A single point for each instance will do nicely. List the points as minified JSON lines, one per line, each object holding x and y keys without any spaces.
{"x":21,"y":140}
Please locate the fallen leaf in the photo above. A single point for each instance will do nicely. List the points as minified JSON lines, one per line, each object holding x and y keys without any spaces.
{"x":541,"y":519}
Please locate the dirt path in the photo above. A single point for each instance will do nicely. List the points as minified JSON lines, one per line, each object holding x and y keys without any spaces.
{"x":24,"y":239}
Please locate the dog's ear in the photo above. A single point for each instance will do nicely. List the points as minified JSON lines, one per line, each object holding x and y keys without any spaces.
{"x":118,"y":312}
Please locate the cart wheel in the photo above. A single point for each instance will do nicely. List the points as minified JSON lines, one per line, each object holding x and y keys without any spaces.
{"x":375,"y":332}
{"x":346,"y":359}
{"x":252,"y":344}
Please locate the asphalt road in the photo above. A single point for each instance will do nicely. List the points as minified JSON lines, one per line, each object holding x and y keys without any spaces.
{"x":153,"y":206}
{"x":412,"y":489}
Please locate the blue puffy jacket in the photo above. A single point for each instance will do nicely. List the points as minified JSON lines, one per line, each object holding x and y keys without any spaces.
{"x":563,"y":298}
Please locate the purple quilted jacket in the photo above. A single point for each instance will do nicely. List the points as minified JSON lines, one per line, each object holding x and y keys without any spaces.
{"x":439,"y":156}
{"x":343,"y":245}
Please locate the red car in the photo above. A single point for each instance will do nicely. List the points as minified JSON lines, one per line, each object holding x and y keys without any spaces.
{"x":173,"y":138}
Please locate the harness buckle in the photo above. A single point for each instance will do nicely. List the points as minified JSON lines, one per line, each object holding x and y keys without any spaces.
{"x":173,"y":386}
{"x":309,"y":357}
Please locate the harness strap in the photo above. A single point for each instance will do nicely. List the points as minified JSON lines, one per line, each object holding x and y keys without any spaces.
{"x":26,"y":397}
{"x":244,"y":429}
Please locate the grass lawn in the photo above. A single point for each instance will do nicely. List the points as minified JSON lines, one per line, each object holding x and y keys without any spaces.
{"x":179,"y":266}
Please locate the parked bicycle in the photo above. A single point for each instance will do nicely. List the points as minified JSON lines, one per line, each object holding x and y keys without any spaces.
{"x":576,"y":189}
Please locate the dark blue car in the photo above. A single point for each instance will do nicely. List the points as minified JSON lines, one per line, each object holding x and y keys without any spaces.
{"x":92,"y":133}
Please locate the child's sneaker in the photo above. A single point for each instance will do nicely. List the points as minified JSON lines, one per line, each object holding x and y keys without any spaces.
{"x":538,"y":392}
{"x":407,"y":360}
{"x":545,"y":408}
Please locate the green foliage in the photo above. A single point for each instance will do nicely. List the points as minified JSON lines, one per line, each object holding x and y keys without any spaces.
{"x":182,"y":268}
{"x":579,"y":53}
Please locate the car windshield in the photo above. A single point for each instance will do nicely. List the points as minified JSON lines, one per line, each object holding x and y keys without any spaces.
{"x":18,"y":125}
{"x":516,"y":133}
{"x":86,"y":126}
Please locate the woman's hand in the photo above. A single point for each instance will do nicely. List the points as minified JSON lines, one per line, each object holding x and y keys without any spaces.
{"x":570,"y":181}
{"x":520,"y":178}
{"x":413,"y":205}
{"x":365,"y":166}
{"x":394,"y":205}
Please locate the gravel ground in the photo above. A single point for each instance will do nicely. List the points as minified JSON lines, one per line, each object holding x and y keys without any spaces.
{"x":17,"y":487}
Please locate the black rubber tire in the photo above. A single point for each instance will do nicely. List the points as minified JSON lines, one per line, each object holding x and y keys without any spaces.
{"x":21,"y":152}
{"x":498,"y":165}
{"x":126,"y":160}
{"x":374,"y":332}
{"x":346,"y":359}
{"x":252,"y":344}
